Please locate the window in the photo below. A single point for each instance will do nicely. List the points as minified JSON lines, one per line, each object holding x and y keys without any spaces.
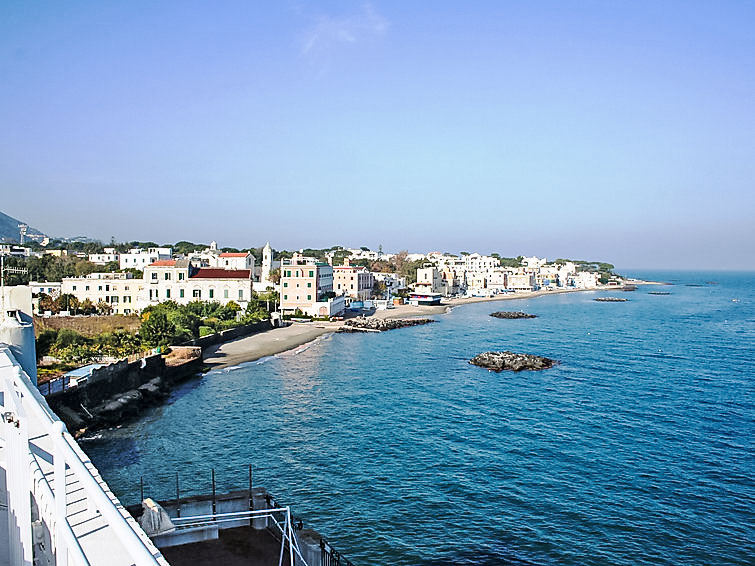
{"x":225,"y":293}
{"x":285,"y":297}
{"x":241,"y":294}
{"x":285,"y":283}
{"x":154,"y":276}
{"x":86,"y":288}
{"x":181,"y":276}
{"x":212,"y":293}
{"x":167,"y":276}
{"x":107,"y":287}
{"x":125,"y":288}
{"x":309,"y":284}
{"x":167,"y":293}
{"x":196,"y":293}
{"x":99,"y":287}
{"x":181,"y":293}
{"x":309,"y":297}
{"x":74,"y":288}
{"x":311,"y":273}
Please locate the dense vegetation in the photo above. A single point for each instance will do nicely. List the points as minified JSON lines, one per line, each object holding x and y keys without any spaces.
{"x":400,"y":265}
{"x":165,"y":324}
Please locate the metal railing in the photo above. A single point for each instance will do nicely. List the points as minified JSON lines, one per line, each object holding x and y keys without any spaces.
{"x":329,"y":556}
{"x":278,"y":518}
{"x":25,"y":412}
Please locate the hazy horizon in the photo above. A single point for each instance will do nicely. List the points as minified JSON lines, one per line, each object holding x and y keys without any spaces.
{"x":615,"y":132}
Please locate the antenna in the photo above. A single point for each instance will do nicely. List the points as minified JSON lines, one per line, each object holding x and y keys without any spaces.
{"x":22,"y":228}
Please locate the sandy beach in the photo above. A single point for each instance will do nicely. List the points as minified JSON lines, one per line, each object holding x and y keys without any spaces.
{"x":279,"y":340}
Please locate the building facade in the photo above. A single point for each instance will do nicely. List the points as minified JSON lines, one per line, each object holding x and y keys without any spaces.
{"x":353,"y":281}
{"x":304,"y":282}
{"x":138,"y":258}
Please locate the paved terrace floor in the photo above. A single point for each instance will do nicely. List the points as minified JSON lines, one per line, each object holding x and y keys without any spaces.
{"x":241,"y":546}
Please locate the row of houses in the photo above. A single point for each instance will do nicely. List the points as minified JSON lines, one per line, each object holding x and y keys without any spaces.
{"x":475,"y":274}
{"x":306,"y":285}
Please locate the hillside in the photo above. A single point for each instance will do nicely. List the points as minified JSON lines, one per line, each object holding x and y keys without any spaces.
{"x":9,"y":229}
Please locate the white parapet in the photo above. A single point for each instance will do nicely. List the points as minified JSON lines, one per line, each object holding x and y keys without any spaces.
{"x":45,"y":476}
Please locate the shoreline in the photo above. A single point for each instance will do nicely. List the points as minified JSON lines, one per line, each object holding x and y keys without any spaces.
{"x":279,"y":340}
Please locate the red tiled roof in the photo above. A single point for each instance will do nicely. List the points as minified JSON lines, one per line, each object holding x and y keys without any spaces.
{"x":229,"y":254}
{"x":164,"y":263}
{"x":216,"y":273}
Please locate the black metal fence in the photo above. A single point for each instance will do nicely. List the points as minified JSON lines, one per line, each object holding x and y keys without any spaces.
{"x":329,"y":556}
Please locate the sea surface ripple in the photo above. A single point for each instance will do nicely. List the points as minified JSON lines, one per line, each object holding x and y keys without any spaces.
{"x":636,"y":449}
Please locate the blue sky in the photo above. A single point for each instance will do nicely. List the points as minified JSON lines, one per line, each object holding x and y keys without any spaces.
{"x":622,"y":131}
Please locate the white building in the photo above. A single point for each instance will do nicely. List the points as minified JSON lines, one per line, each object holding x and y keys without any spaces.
{"x":51,"y":288}
{"x":109,"y":256}
{"x":119,"y":290}
{"x":183,"y":282}
{"x":393,"y":282}
{"x":429,"y":280}
{"x":14,"y":251}
{"x":233,"y":260}
{"x":138,"y":258}
{"x":584,"y":280}
{"x":534,"y":261}
{"x":521,"y":281}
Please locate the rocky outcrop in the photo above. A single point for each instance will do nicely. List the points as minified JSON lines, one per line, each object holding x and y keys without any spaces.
{"x":499,"y":361}
{"x":364,"y":324}
{"x":658,"y":293}
{"x":512,"y":314}
{"x":610,"y":300}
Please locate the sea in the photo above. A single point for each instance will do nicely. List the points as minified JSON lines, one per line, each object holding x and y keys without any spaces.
{"x":636,"y":449}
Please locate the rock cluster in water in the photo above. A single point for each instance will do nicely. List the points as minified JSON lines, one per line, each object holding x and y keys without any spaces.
{"x":658,"y":293}
{"x":611,"y":300}
{"x":361,"y":324}
{"x":498,"y":361}
{"x":511,"y":314}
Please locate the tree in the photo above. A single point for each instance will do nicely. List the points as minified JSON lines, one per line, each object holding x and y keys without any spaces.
{"x":379,"y":289}
{"x":104,"y":308}
{"x":68,"y":302}
{"x":156,"y":329}
{"x":48,"y":303}
{"x":87,"y":307}
{"x":275,"y":275}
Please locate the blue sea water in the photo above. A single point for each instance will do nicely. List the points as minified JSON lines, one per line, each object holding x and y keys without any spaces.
{"x":636,"y":449}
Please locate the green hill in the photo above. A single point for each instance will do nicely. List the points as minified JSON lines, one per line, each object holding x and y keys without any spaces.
{"x":9,"y":229}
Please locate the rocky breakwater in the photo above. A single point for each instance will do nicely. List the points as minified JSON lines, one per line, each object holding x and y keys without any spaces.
{"x":499,"y":361}
{"x":364,"y":324}
{"x":512,"y":314}
{"x":610,"y":300}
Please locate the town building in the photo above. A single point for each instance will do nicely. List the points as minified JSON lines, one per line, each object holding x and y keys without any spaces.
{"x":521,"y":281}
{"x":353,"y":281}
{"x":138,"y":258}
{"x":307,"y":286}
{"x":181,"y":281}
{"x":393,"y":282}
{"x":429,"y":280}
{"x":233,"y":260}
{"x":10,"y":250}
{"x":51,"y":288}
{"x":118,"y":290}
{"x":108,"y":256}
